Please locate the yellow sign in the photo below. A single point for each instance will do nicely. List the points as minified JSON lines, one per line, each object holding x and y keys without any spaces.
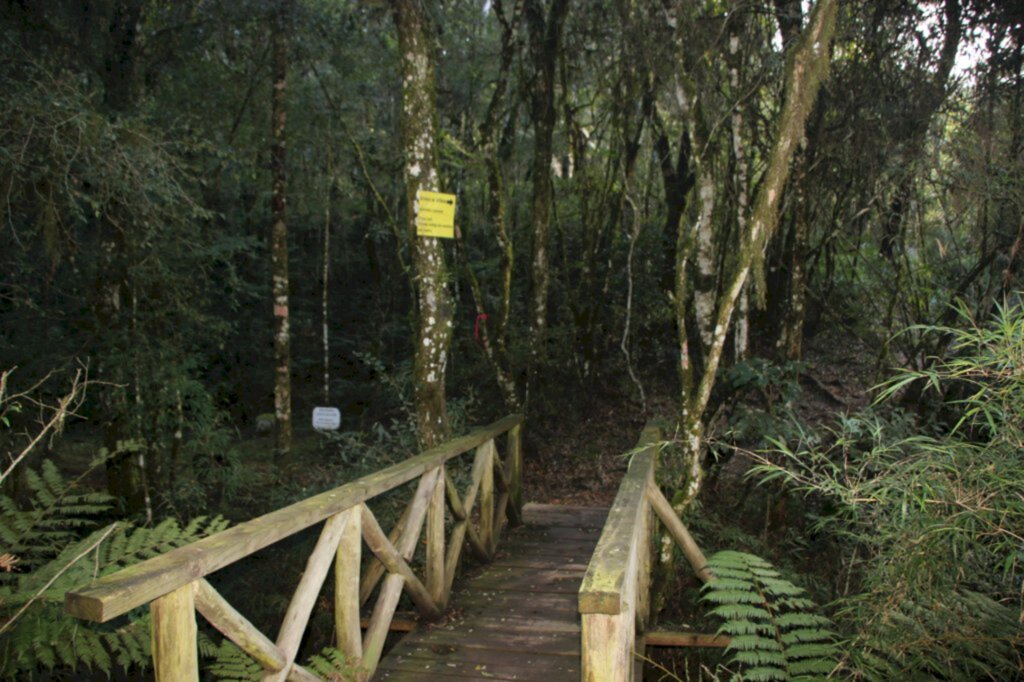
{"x":435,"y":214}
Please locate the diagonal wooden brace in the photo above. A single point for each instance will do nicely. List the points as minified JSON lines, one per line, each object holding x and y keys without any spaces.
{"x":312,"y":580}
{"x":236,"y":627}
{"x":378,"y":543}
{"x":678,"y":531}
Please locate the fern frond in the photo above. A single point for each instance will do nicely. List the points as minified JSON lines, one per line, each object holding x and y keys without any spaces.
{"x":754,"y":643}
{"x":744,"y":627}
{"x":55,"y":514}
{"x":810,"y":650}
{"x":740,"y":612}
{"x":804,"y":635}
{"x":734,"y":597}
{"x":764,"y":674}
{"x":774,"y":637}
{"x":800,"y":619}
{"x":756,"y":657}
{"x":231,"y":664}
{"x":733,"y":583}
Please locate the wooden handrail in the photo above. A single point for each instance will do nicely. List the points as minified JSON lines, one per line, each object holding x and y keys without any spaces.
{"x":614,"y":599}
{"x":614,"y":595}
{"x":607,"y":577}
{"x":120,"y":592}
{"x":174,"y":584}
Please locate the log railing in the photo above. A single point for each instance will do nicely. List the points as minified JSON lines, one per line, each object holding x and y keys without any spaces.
{"x":614,"y":598}
{"x":174,"y":584}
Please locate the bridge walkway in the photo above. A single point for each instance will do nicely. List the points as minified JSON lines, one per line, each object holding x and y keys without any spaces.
{"x":517,"y":618}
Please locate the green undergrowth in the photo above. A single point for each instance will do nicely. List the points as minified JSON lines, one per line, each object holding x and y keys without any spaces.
{"x":57,"y":539}
{"x":774,"y":631}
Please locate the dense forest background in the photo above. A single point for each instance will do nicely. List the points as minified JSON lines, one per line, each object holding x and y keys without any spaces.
{"x":739,"y":215}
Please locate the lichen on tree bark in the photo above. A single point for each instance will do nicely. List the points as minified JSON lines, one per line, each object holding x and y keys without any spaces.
{"x":433,"y":300}
{"x":279,"y":240}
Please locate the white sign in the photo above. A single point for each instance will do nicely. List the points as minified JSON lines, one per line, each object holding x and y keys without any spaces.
{"x":326,"y":418}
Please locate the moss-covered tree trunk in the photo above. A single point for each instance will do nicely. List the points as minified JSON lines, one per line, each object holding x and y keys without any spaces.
{"x":279,"y":238}
{"x":545,"y":29}
{"x":495,"y":343}
{"x":677,"y":180}
{"x":419,"y":144}
{"x":806,"y":68}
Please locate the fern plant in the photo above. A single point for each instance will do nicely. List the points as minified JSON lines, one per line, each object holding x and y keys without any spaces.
{"x":228,"y":663}
{"x":58,"y":548}
{"x":775,"y":634}
{"x":56,"y":514}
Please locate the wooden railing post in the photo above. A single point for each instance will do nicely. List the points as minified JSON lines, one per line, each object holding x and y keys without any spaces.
{"x":173,"y":637}
{"x":646,"y":557}
{"x":347,"y":561}
{"x":613,"y":599}
{"x":435,"y":543}
{"x":514,"y":444}
{"x":487,"y":498}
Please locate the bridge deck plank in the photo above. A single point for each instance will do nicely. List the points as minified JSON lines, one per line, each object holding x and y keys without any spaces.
{"x":517,"y":618}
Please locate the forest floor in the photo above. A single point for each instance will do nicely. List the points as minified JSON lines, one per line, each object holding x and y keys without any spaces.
{"x":580,"y":456}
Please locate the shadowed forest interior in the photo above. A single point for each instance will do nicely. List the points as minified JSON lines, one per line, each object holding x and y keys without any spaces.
{"x":786,"y":235}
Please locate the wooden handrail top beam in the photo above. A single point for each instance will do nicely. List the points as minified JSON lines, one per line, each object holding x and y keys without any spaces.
{"x":605,"y":580}
{"x":118,"y":593}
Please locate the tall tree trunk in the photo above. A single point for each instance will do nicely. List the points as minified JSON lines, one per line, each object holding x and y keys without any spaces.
{"x":419,"y":143}
{"x":741,"y":180}
{"x":790,"y":341}
{"x":495,"y":346}
{"x":677,"y":180}
{"x":695,"y":252}
{"x":545,"y":30}
{"x":279,"y":237}
{"x":806,"y":68}
{"x":325,"y":274}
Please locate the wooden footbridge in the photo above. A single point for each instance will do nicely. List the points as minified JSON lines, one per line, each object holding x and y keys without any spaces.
{"x":560,"y":593}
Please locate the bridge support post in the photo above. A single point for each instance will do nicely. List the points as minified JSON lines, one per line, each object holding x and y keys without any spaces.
{"x":347,"y":560}
{"x":607,"y":645}
{"x":514,"y":444}
{"x":173,"y":637}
